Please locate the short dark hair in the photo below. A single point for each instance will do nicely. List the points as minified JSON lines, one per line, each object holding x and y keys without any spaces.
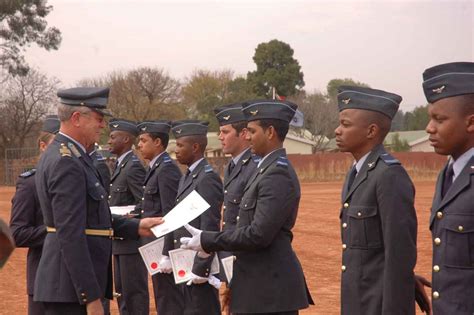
{"x":199,"y":139}
{"x":164,"y":137}
{"x":45,"y":137}
{"x":281,"y":127}
{"x":382,"y":121}
{"x":467,"y":104}
{"x":239,"y":126}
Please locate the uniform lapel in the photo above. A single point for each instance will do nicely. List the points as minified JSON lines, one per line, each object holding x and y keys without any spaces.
{"x":238,"y":167}
{"x":154,"y":167}
{"x":267,"y":162}
{"x":120,"y":166}
{"x":461,"y":182}
{"x":368,"y":165}
{"x":189,"y":180}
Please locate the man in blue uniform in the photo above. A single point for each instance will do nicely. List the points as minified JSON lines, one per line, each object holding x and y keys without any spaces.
{"x":130,"y":273}
{"x":267,"y":275}
{"x":160,"y":188}
{"x":449,"y":88}
{"x":26,"y":221}
{"x":75,"y":271}
{"x":378,"y":218}
{"x":200,"y":297}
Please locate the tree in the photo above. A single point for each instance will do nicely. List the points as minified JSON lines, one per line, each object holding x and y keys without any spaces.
{"x":399,"y":145}
{"x":334,"y":84}
{"x":417,"y":119}
{"x":24,"y":102}
{"x":141,"y":94}
{"x":22,"y":22}
{"x":276,"y":68}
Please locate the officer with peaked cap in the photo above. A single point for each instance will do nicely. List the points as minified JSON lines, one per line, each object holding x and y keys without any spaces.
{"x":26,"y":221}
{"x":449,"y":88}
{"x":267,"y":275}
{"x":378,"y":218}
{"x":200,"y":297}
{"x":160,"y":187}
{"x":75,"y":269}
{"x":130,"y":274}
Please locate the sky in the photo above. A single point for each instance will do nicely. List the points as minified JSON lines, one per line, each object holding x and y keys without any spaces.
{"x":386,"y":44}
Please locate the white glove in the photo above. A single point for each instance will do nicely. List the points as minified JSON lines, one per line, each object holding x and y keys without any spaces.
{"x":216,"y":283}
{"x":164,"y":266}
{"x":194,"y":242}
{"x":195,"y":279}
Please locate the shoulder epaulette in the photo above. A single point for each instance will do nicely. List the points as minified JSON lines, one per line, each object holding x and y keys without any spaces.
{"x":135,"y":158}
{"x":167,"y":159}
{"x":389,"y":159}
{"x":28,"y":173}
{"x":282,"y":160}
{"x":208,"y":168}
{"x":100,"y":157}
{"x":73,"y":149}
{"x":64,"y":150}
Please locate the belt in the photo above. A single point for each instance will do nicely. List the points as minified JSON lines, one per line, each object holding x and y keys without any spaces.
{"x":92,"y":232}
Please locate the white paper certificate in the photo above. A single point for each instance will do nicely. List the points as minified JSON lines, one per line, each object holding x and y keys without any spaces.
{"x":228,"y":264}
{"x":184,"y":212}
{"x":152,"y":254}
{"x":122,"y":210}
{"x":182,"y":263}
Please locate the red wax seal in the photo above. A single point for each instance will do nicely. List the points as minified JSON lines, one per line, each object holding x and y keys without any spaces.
{"x":181,"y":273}
{"x":154,"y":265}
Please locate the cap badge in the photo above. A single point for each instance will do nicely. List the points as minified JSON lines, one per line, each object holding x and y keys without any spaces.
{"x":144,"y":128}
{"x":115,"y":125}
{"x":226,"y":117}
{"x":346,"y":101}
{"x":439,"y":90}
{"x":371,"y":164}
{"x":178,"y":131}
{"x":254,"y":112}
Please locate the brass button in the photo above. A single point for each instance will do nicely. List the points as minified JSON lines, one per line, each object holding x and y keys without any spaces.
{"x":84,"y":300}
{"x":238,"y":218}
{"x":435,"y":295}
{"x":83,"y":294}
{"x":460,"y":228}
{"x":143,"y":198}
{"x":223,"y":223}
{"x":359,"y":214}
{"x":144,"y":187}
{"x":439,"y":214}
{"x":143,"y":211}
{"x":101,"y":196}
{"x":110,"y":196}
{"x":235,"y":200}
{"x":224,"y":207}
{"x":111,"y":185}
{"x":225,"y":191}
{"x":344,"y":225}
{"x":343,"y":268}
{"x":175,"y":241}
{"x":346,"y":205}
{"x":344,"y":246}
{"x":435,"y":268}
{"x":245,"y":205}
{"x":437,"y":241}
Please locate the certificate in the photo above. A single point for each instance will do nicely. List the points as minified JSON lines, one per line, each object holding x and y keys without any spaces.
{"x":228,"y":264}
{"x":182,"y":261}
{"x":122,"y":210}
{"x":184,"y":212}
{"x":151,"y":254}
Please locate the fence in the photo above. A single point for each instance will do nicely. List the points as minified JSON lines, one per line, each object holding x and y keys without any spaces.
{"x":309,"y":167}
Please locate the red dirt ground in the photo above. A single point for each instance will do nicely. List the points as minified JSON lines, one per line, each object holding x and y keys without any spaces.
{"x":317,"y":243}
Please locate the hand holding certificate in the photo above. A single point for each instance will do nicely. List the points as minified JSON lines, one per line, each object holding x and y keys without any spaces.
{"x":152,"y":254}
{"x":182,"y":261}
{"x":184,"y":212}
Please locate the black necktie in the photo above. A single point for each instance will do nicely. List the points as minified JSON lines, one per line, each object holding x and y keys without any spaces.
{"x":231,"y":166}
{"x":352,"y":176}
{"x":448,"y":179}
{"x":187,"y":174}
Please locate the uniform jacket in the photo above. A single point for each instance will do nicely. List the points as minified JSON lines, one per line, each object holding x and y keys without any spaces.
{"x":234,"y":184}
{"x":104,"y":171}
{"x":26,"y":224}
{"x":267,"y":275}
{"x":208,"y":184}
{"x":378,"y":228}
{"x":74,"y":267}
{"x":126,"y":189}
{"x":452,"y":228}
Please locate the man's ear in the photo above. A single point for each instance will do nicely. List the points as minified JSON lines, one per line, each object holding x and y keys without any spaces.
{"x":373,"y":131}
{"x":270,"y":132}
{"x":470,"y":123}
{"x":75,"y":117}
{"x":157,"y":142}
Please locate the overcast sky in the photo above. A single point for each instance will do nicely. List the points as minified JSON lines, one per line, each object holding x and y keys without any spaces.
{"x":385,"y":44}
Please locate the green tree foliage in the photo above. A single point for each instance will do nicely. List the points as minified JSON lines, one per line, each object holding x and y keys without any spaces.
{"x":334,"y":84}
{"x":417,"y":119}
{"x":205,"y":90}
{"x":22,"y":22}
{"x":276,"y":68}
{"x":399,"y":145}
